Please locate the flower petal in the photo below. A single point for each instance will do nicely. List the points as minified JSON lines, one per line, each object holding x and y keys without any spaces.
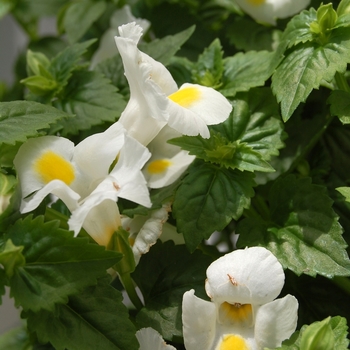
{"x":276,"y":321}
{"x":246,"y":276}
{"x":194,"y":106}
{"x":199,"y":322}
{"x":150,"y":339}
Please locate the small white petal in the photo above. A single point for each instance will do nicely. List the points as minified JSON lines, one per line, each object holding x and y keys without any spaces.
{"x":266,"y":11}
{"x":246,"y":276}
{"x":276,"y":321}
{"x":199,"y":322}
{"x":150,"y":339}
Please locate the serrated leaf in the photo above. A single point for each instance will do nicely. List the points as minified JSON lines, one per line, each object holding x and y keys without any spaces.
{"x":208,"y":199}
{"x":244,"y":71}
{"x":79,"y":17}
{"x":307,"y":66}
{"x":57,"y":264}
{"x":345,"y":191}
{"x":209,"y":68}
{"x":22,"y":119}
{"x":171,"y":271}
{"x":247,"y":139}
{"x":303,"y":231}
{"x":339,"y":101}
{"x":164,"y":49}
{"x":92,"y":99}
{"x":11,"y":257}
{"x":94,"y":319}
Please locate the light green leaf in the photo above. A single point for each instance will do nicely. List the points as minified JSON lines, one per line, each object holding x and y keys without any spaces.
{"x":244,"y":71}
{"x":345,"y":191}
{"x":303,"y":231}
{"x":208,"y":199}
{"x":5,"y":7}
{"x":171,"y":271}
{"x":11,"y":257}
{"x":307,"y":66}
{"x":79,"y":17}
{"x":339,"y":101}
{"x":92,"y":99}
{"x":164,"y":49}
{"x":22,"y":119}
{"x":57,"y":264}
{"x":247,"y":139}
{"x":96,"y":318}
{"x":15,"y":339}
{"x":209,"y":68}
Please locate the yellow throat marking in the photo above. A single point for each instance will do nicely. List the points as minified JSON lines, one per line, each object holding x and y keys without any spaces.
{"x":186,"y":96}
{"x":158,"y":166}
{"x":237,"y":314}
{"x":235,"y":342}
{"x":256,"y":2}
{"x":51,"y":166}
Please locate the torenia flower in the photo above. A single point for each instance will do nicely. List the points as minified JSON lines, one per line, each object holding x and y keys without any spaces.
{"x":168,"y":162}
{"x":155,"y":99}
{"x":150,"y":339}
{"x":52,"y":165}
{"x":266,"y":11}
{"x":243,"y":313}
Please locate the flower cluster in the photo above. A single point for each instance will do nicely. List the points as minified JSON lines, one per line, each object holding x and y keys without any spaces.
{"x":91,"y":176}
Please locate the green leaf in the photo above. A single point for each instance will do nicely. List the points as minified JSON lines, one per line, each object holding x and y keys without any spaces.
{"x":247,"y":139}
{"x":303,"y":231}
{"x":39,"y":85}
{"x":3,"y":282}
{"x":345,"y":191}
{"x":11,"y":257}
{"x":15,"y":339}
{"x":164,"y":49}
{"x":57,"y":264}
{"x":331,"y":328}
{"x":92,"y":99}
{"x":171,"y":271}
{"x":94,"y":319}
{"x":244,"y":71}
{"x":79,"y":17}
{"x":339,"y":101}
{"x":306,"y":66}
{"x":22,"y":119}
{"x":209,"y":68}
{"x":5,"y":7}
{"x":208,"y":199}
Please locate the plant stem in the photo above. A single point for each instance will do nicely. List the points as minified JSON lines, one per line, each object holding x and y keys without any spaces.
{"x":341,"y":82}
{"x":130,"y":290}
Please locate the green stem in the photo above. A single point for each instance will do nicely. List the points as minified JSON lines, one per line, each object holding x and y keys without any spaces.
{"x":130,"y":290}
{"x":341,"y":82}
{"x":343,"y":283}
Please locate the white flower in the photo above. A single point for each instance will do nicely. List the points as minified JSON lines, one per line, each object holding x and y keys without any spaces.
{"x":243,"y":313}
{"x":266,"y":11}
{"x":119,"y":17}
{"x":155,"y":99}
{"x":80,"y":176}
{"x":168,"y":162}
{"x":150,"y":339}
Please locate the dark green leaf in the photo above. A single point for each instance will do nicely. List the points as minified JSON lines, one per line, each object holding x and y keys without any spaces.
{"x":3,"y":281}
{"x":171,"y":271}
{"x":164,"y":49}
{"x":340,"y":105}
{"x":94,"y":319}
{"x":208,"y":199}
{"x":57,"y":264}
{"x":92,"y":99}
{"x":79,"y":17}
{"x":22,"y":119}
{"x":245,"y":71}
{"x":303,"y":231}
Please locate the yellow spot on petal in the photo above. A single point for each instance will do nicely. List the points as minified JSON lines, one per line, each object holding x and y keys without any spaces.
{"x":158,"y":166}
{"x":233,"y":342}
{"x":51,"y":166}
{"x":256,"y":2}
{"x":237,"y":314}
{"x":186,"y":96}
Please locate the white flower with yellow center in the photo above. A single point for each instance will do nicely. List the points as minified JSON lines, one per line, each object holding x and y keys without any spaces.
{"x":266,"y":11}
{"x":168,"y":162}
{"x":155,"y":99}
{"x":52,"y":165}
{"x":243,"y":313}
{"x":150,"y":339}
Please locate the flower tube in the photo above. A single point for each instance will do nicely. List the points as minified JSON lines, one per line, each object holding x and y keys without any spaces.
{"x":244,"y":313}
